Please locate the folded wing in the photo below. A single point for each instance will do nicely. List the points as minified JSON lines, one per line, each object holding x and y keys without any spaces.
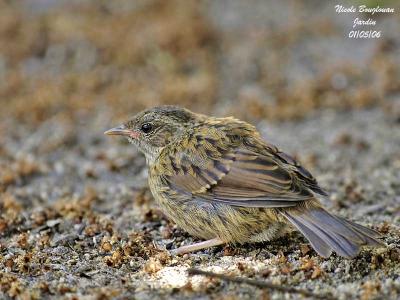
{"x":238,"y":177}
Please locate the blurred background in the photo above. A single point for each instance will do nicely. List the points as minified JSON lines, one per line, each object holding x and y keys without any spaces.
{"x":71,"y":69}
{"x":258,"y":60}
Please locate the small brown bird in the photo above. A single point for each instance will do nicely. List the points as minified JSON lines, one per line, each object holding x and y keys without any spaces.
{"x":220,"y":181}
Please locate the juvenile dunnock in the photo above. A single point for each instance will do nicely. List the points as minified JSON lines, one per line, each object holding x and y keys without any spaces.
{"x":220,"y":181}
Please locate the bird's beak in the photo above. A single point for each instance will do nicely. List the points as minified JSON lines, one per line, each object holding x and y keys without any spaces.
{"x":121,"y":130}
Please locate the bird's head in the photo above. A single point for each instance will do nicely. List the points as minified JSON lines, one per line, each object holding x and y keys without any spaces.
{"x":151,"y":130}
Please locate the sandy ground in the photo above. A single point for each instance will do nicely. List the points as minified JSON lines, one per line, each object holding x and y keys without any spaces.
{"x":77,"y":220}
{"x":86,"y":225}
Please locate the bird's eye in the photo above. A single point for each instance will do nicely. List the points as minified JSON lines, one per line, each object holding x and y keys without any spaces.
{"x":146,"y":127}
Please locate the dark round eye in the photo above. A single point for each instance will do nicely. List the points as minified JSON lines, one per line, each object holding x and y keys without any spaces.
{"x":146,"y":127}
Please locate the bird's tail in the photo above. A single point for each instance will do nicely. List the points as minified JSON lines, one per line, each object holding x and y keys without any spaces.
{"x":327,"y":232}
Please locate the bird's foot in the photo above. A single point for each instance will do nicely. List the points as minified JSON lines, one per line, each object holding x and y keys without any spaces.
{"x":197,"y":246}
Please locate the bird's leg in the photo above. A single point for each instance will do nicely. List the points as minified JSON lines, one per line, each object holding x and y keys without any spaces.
{"x":197,"y":246}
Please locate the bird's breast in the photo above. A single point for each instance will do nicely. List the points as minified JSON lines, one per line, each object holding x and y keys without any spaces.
{"x":207,"y":219}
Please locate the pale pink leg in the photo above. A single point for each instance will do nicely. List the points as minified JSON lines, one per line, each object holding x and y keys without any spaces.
{"x":197,"y":246}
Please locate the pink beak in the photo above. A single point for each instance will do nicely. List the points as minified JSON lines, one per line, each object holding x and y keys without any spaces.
{"x":121,"y":130}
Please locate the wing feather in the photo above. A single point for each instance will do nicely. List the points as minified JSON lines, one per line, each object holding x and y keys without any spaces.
{"x":239,"y":177}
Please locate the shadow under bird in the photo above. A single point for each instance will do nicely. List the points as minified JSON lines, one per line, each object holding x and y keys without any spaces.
{"x":220,"y":181}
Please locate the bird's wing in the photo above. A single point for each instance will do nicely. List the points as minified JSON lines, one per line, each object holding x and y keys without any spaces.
{"x":238,"y":176}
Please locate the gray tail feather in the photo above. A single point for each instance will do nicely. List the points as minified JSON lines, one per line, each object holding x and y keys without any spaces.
{"x":327,"y":232}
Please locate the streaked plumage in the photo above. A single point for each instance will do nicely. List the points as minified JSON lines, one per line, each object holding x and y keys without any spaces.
{"x":220,"y":181}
